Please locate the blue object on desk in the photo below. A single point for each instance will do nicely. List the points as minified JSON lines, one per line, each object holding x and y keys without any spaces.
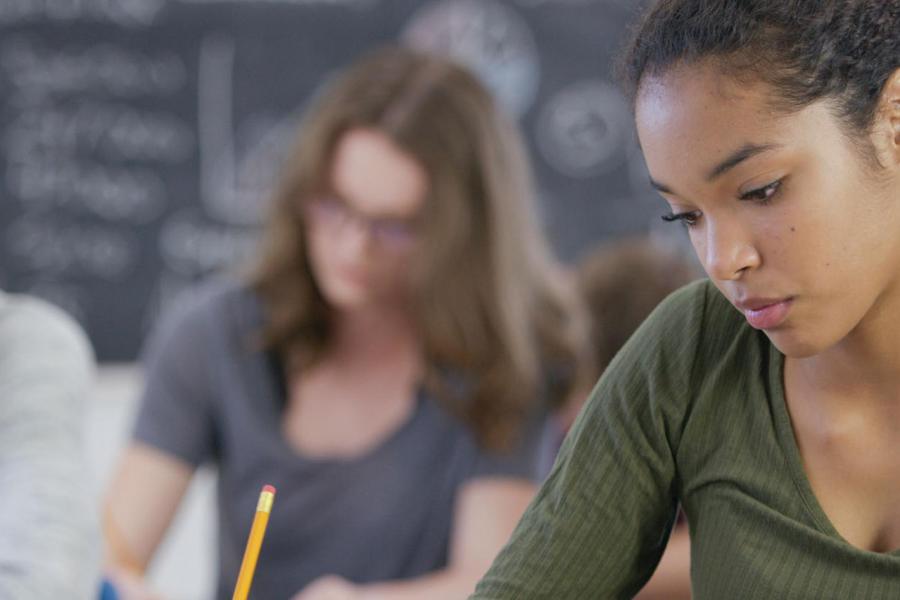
{"x":107,"y":591}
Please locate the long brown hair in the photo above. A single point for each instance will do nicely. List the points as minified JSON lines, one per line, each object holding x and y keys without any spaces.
{"x":496,"y":320}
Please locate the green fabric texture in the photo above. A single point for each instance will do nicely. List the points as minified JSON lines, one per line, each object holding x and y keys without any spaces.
{"x":692,"y":411}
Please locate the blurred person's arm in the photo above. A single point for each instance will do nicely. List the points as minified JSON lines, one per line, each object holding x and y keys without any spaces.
{"x":173,"y":435}
{"x":141,"y":502}
{"x":49,"y":535}
{"x":486,"y":514}
{"x":571,"y":408}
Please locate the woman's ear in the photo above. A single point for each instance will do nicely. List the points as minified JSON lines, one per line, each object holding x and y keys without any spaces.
{"x":887,"y":127}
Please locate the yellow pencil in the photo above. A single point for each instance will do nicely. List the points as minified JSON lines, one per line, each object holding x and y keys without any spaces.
{"x":254,"y":543}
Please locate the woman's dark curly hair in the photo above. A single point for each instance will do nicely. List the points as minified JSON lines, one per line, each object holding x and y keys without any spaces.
{"x":807,"y":50}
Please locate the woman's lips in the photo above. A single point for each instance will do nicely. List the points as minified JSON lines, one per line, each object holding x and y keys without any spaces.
{"x":766,"y":314}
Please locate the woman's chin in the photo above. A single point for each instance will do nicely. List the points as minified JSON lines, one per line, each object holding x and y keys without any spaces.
{"x":794,"y":344}
{"x":346,"y":297}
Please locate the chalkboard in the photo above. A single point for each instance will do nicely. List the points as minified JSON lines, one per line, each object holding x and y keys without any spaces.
{"x":139,"y":138}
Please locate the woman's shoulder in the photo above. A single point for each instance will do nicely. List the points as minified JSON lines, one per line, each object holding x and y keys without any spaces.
{"x":700,"y":312}
{"x":218,"y":292}
{"x":696,"y":313}
{"x":216,"y":312}
{"x":35,"y":334}
{"x":691,"y":338}
{"x":219,"y":299}
{"x":686,"y":334}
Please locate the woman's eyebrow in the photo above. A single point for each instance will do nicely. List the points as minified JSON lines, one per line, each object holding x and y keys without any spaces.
{"x":660,"y":187}
{"x":734,"y":159}
{"x":737,"y":157}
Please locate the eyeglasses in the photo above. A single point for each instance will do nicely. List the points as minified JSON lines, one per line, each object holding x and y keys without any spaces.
{"x":391,"y":233}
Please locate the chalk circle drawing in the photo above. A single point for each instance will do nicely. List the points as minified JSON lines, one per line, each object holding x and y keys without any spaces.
{"x":489,"y":38}
{"x":585,"y":130}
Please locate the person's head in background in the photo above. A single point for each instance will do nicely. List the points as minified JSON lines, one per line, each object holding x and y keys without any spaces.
{"x":772,"y":129}
{"x":408,"y":196}
{"x":621,"y":282}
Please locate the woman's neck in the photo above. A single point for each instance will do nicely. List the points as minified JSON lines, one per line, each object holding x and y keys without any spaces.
{"x":373,"y":335}
{"x":864,"y":368}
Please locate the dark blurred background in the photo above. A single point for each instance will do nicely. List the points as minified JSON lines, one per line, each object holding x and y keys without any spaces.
{"x":139,"y":138}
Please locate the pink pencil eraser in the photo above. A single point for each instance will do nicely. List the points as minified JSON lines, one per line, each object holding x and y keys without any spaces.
{"x":269,"y":488}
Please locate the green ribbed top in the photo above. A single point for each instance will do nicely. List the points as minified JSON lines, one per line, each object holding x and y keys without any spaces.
{"x":692,"y":410}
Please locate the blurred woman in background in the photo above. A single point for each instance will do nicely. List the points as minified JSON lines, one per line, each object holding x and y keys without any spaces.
{"x":388,"y":364}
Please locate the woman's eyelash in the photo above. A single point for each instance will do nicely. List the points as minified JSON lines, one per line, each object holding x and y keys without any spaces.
{"x":764,"y":194}
{"x":688,"y":218}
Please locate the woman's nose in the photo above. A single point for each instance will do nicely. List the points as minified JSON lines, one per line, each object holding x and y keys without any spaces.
{"x":729,"y":251}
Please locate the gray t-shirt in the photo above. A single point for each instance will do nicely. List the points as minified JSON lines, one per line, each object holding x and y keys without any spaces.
{"x":49,"y":526}
{"x":211,"y":395}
